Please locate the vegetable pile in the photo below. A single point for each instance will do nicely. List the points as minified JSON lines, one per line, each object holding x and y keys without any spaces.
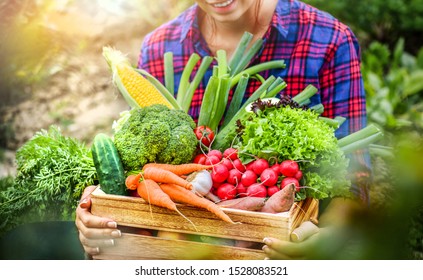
{"x":259,"y":155}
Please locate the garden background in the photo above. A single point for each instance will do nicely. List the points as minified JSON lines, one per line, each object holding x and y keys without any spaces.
{"x":52,"y":73}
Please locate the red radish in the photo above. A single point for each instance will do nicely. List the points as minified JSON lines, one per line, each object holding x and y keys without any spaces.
{"x":272,"y":190}
{"x":288,"y":168}
{"x":212,"y":160}
{"x":269,"y":177}
{"x":241,"y":190}
{"x":276,"y":168}
{"x":234,"y":177}
{"x":238,"y":165}
{"x":298,"y":175}
{"x":249,"y":166}
{"x":248,"y":178}
{"x":216,"y":153}
{"x":219,"y":173}
{"x":257,"y":190}
{"x":290,"y":180}
{"x":260,"y":165}
{"x":200,"y":159}
{"x":226,"y":191}
{"x":230,"y":153}
{"x":228,"y":163}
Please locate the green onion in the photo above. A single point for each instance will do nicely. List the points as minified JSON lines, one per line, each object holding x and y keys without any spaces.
{"x":169,"y":72}
{"x":305,"y":94}
{"x":186,"y":101}
{"x":277,"y":86}
{"x":365,"y":132}
{"x":381,"y":151}
{"x":237,"y":98}
{"x":318,"y":108}
{"x":220,"y":102}
{"x":222,"y":63}
{"x":208,"y":101}
{"x":362,"y":143}
{"x":246,"y":59}
{"x":258,"y":68}
{"x":335,"y":122}
{"x":185,"y":77}
{"x":239,"y":51}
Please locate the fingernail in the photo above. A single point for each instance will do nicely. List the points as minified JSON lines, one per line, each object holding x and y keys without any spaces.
{"x":267,"y":241}
{"x":97,"y":249}
{"x":265,"y":248}
{"x":116,"y":233}
{"x":112,"y":224}
{"x":83,"y":202}
{"x":111,"y":242}
{"x":266,"y":259}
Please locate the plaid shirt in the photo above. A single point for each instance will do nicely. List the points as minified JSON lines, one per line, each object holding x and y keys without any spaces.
{"x":317,"y":50}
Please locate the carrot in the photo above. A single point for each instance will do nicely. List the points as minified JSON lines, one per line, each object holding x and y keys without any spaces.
{"x":132,"y":181}
{"x":151,"y":192}
{"x":181,"y":195}
{"x":179,"y":169}
{"x":164,"y":176}
{"x":248,"y":203}
{"x":280,"y":201}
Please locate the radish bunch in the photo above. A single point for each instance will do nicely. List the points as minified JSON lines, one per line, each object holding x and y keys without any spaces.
{"x":231,"y":178}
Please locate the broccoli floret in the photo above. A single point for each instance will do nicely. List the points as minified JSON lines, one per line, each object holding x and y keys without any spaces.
{"x":155,"y":134}
{"x":181,"y":146}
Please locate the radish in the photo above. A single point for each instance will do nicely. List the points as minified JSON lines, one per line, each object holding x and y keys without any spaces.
{"x":298,"y":175}
{"x":249,"y":166}
{"x":234,"y":177}
{"x":241,"y":190}
{"x":288,"y":168}
{"x":260,"y":165}
{"x":216,"y":153}
{"x":212,"y":160}
{"x":272,"y":190}
{"x":200,"y":159}
{"x":226,"y":191}
{"x":257,"y":190}
{"x":269,"y":177}
{"x":290,"y":180}
{"x":248,"y":178}
{"x":227,"y":163}
{"x":230,"y":153}
{"x":238,"y":165}
{"x":276,"y":167}
{"x":219,"y":173}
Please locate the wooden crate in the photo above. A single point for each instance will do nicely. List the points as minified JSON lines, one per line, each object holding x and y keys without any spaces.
{"x":132,"y":213}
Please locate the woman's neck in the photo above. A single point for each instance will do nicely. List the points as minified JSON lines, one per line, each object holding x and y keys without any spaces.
{"x":226,"y":35}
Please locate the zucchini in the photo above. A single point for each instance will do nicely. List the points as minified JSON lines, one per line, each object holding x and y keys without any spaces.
{"x":109,"y":167}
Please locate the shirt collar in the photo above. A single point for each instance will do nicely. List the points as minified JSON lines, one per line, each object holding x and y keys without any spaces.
{"x":282,"y":16}
{"x":280,"y":20}
{"x":190,"y":22}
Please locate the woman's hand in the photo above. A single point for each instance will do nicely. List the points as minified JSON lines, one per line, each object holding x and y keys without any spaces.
{"x":94,"y":232}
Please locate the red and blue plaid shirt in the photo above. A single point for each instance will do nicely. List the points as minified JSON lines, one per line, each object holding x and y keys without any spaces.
{"x":316,"y":47}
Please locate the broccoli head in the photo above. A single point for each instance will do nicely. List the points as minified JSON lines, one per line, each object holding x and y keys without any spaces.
{"x":155,"y":134}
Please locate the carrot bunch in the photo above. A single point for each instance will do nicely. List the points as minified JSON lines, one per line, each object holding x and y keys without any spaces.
{"x":162,"y":185}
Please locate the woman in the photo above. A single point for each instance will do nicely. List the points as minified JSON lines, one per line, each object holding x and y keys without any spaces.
{"x":317,"y":49}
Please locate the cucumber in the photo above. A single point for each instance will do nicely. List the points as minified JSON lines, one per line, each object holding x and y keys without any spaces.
{"x":109,"y":167}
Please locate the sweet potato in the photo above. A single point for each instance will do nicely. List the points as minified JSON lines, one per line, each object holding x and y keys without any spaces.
{"x":248,"y":203}
{"x":281,"y":201}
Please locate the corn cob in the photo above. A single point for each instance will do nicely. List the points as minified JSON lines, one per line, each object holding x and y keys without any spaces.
{"x":134,"y":87}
